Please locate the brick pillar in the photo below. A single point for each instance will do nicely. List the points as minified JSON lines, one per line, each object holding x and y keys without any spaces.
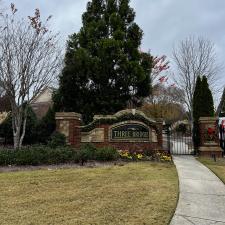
{"x":209,"y":139}
{"x":68,"y":123}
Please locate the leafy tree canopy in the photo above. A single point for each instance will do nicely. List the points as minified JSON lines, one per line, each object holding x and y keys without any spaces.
{"x":104,"y":68}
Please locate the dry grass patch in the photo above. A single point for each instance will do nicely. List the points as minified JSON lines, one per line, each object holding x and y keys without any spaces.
{"x":136,"y":193}
{"x":217,"y":167}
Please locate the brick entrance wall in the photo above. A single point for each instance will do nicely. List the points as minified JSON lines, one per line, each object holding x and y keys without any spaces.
{"x":125,"y":145}
{"x":98,"y":132}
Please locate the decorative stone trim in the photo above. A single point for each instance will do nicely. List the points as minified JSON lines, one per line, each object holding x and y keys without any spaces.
{"x":208,"y":119}
{"x":121,"y":116}
{"x":67,"y":116}
{"x":96,"y":135}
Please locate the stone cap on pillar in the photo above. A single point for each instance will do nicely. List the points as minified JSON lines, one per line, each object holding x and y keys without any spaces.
{"x":67,"y":116}
{"x":208,"y":119}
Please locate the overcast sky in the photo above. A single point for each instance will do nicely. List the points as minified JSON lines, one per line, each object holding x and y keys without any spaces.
{"x":164,"y":22}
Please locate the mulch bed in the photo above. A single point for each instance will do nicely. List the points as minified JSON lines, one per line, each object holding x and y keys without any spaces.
{"x":91,"y":164}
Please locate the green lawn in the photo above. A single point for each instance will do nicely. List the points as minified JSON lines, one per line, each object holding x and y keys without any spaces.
{"x":136,"y":193}
{"x":217,"y":167}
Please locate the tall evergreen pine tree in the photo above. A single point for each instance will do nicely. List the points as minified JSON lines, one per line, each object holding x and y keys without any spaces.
{"x":203,"y":106}
{"x":207,"y":99}
{"x":103,"y":65}
{"x":197,"y":105}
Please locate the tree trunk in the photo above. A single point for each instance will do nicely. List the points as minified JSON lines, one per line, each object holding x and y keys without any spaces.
{"x":23,"y":128}
{"x":16,"y":138}
{"x":16,"y":124}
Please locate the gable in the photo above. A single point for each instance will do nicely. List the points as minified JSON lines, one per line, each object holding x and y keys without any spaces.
{"x":44,"y":96}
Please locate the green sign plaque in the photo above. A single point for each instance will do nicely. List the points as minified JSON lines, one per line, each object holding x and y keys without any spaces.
{"x":130,"y":132}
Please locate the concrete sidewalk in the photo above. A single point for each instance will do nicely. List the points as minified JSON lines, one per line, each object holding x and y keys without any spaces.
{"x":202,"y":194}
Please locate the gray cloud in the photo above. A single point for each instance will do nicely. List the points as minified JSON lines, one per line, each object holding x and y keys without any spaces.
{"x":164,"y":22}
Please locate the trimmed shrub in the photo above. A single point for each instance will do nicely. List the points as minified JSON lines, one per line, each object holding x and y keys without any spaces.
{"x":37,"y":155}
{"x":6,"y":130}
{"x":46,"y":126}
{"x":107,"y":154}
{"x":57,"y":139}
{"x":87,"y":152}
{"x":31,"y":128}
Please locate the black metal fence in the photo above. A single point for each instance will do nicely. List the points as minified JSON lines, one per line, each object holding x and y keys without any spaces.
{"x":178,"y":143}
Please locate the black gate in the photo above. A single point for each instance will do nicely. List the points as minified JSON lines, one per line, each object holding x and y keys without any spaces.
{"x":178,"y":142}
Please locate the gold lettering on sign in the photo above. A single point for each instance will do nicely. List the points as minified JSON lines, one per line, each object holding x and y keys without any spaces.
{"x":130,"y":132}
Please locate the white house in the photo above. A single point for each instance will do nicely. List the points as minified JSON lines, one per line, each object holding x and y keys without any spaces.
{"x":42,"y":102}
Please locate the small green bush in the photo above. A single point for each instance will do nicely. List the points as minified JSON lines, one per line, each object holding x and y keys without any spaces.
{"x":86,"y":152}
{"x":46,"y":155}
{"x":6,"y":157}
{"x":46,"y":127}
{"x":57,"y":139}
{"x":37,"y":155}
{"x":31,"y":136}
{"x":106,"y":154}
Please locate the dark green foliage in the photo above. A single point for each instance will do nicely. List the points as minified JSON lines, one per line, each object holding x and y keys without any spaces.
{"x":104,"y":68}
{"x":46,"y":126}
{"x":90,"y":152}
{"x":4,"y":104}
{"x":6,"y":131}
{"x":36,"y":131}
{"x":86,"y":152}
{"x":37,"y":155}
{"x":197,"y":103}
{"x":31,"y":128}
{"x":107,"y":154}
{"x":207,"y":99}
{"x":56,"y":140}
{"x":202,"y":106}
{"x":44,"y":155}
{"x":197,"y":108}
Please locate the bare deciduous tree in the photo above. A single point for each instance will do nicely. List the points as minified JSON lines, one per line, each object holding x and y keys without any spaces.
{"x":166,"y":94}
{"x":195,"y":57}
{"x":29,"y":61}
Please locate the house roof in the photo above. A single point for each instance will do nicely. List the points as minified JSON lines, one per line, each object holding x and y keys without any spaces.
{"x":44,"y":96}
{"x":3,"y":116}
